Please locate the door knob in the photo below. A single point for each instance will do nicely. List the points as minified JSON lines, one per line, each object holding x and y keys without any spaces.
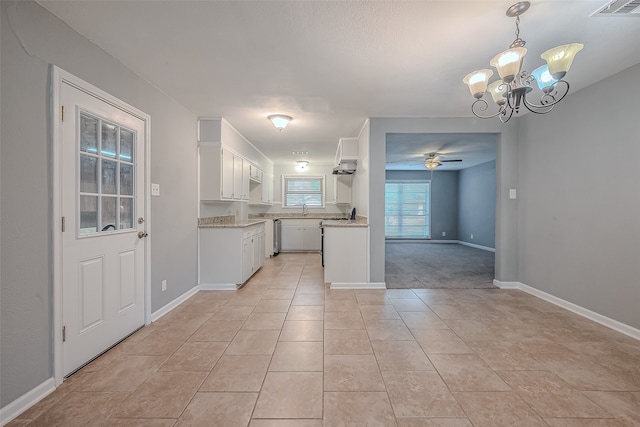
{"x":142,"y":234}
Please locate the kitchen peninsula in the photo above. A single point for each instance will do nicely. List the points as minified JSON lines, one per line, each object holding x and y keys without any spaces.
{"x":345,"y":253}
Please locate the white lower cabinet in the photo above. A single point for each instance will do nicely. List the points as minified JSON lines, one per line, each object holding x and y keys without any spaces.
{"x":300,"y":235}
{"x":229,"y":256}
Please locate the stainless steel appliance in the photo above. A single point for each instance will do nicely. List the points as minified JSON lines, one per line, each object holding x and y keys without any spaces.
{"x":322,"y":243}
{"x":277,"y":235}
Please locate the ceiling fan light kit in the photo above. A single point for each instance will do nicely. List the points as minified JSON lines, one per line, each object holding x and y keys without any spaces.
{"x":510,"y":92}
{"x":434,"y":160}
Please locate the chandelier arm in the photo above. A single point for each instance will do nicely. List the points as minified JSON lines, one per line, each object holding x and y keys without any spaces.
{"x":549,"y":99}
{"x":504,"y":118}
{"x":482,"y":105}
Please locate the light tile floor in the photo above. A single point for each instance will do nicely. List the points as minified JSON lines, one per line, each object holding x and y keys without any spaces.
{"x":286,"y":351}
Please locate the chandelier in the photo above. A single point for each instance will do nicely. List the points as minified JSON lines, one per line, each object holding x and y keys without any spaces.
{"x":511,"y":90}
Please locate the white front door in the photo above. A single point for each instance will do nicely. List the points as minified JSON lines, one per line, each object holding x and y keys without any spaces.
{"x":103,"y":240}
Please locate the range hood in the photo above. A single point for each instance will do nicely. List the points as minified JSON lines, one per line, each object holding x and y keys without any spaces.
{"x":345,"y":167}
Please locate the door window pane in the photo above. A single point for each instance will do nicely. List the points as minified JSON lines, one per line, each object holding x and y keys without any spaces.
{"x":126,"y":212}
{"x":106,"y":172}
{"x":88,"y":174}
{"x":88,"y":214}
{"x":108,"y":213}
{"x":88,"y":134}
{"x":109,"y":140}
{"x":109,"y":184}
{"x":126,"y":179}
{"x":126,"y":145}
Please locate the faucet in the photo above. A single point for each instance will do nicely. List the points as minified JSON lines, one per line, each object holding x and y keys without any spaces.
{"x":305,"y":210}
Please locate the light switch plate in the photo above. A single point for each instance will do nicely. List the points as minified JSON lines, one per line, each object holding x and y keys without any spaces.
{"x":155,"y":189}
{"x":512,"y":193}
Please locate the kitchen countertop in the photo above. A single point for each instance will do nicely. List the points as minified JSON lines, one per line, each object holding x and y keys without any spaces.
{"x":229,"y":221}
{"x":211,"y":223}
{"x":359,"y":222}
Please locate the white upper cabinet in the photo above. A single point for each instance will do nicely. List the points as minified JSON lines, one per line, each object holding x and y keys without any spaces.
{"x":255,"y":173}
{"x":226,"y":175}
{"x":347,"y":150}
{"x":223,"y":175}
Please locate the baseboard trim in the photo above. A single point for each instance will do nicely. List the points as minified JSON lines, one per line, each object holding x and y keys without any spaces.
{"x":584,"y":312}
{"x":173,"y":304}
{"x":623,"y":328}
{"x":473,"y":245}
{"x":506,"y":285}
{"x":427,"y":241}
{"x":365,"y":285}
{"x":218,"y":287}
{"x":26,"y":401}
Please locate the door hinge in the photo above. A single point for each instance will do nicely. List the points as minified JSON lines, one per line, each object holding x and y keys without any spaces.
{"x":63,"y":113}
{"x":63,"y":225}
{"x":64,"y":333}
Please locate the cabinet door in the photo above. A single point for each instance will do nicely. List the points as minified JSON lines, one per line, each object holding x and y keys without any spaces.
{"x":256,"y":252}
{"x":267,"y":184}
{"x":247,"y":258}
{"x":311,"y":238}
{"x":290,"y":238}
{"x":237,"y":177}
{"x":262,"y":248}
{"x":246,"y":170}
{"x":227,"y":174}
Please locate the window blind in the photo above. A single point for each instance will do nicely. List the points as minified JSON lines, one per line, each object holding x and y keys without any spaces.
{"x":407,"y":209}
{"x":298,"y":191}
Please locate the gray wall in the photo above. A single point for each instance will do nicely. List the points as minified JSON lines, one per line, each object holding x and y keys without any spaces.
{"x":444,"y":200}
{"x":579,"y":199}
{"x":506,"y":177}
{"x":26,"y":284}
{"x":477,"y":205}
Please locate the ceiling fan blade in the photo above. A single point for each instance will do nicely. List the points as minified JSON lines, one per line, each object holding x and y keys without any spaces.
{"x":456,"y":160}
{"x":406,"y":161}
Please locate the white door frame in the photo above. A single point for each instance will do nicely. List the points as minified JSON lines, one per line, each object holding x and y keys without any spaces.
{"x":58,"y":77}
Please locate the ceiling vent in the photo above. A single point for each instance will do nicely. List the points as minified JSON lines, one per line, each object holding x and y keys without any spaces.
{"x":619,"y":8}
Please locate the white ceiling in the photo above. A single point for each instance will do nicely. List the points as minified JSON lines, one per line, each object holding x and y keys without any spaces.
{"x":408,"y":151}
{"x":332,"y":64}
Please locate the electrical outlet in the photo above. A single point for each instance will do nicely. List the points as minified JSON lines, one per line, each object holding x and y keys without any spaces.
{"x":472,"y":235}
{"x":164,"y":285}
{"x":444,"y":233}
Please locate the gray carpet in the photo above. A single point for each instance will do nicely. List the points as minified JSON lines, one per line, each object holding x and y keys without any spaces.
{"x":438,"y":266}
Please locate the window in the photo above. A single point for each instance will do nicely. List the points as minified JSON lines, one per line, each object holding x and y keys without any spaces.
{"x":106,"y":176}
{"x":303,"y":190}
{"x":406,"y":210}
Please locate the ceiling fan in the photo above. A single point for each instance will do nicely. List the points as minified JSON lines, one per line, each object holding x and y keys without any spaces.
{"x":434,"y":160}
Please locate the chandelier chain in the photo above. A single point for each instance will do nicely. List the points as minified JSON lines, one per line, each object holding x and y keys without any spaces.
{"x":518,"y":42}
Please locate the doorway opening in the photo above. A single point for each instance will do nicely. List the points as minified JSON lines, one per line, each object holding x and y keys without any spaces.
{"x":447,"y":234}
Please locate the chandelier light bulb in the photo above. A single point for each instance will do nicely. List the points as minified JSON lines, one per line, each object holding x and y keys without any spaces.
{"x":559,"y":59}
{"x":477,"y":81}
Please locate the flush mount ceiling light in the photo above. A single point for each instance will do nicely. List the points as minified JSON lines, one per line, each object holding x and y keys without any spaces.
{"x":510,"y":92}
{"x":302,"y":164}
{"x":280,"y":121}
